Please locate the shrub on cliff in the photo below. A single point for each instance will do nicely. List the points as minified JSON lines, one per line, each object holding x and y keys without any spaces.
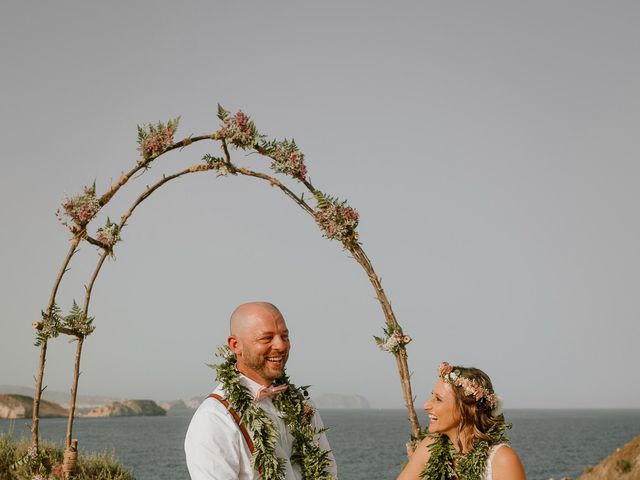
{"x":18,"y":462}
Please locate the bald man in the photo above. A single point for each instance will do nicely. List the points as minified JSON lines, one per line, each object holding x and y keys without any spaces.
{"x":215,"y":446}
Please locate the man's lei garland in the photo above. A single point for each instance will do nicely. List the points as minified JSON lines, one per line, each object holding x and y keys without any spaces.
{"x":297,"y":414}
{"x":445,"y":463}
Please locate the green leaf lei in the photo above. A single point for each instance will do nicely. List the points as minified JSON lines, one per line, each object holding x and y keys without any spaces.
{"x":445,"y":463}
{"x":297,"y":414}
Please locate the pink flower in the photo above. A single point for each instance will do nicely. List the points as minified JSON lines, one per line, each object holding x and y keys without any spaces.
{"x":108,"y":235}
{"x":155,"y":139}
{"x":237,"y":129}
{"x":337,"y":220}
{"x":82,"y":207}
{"x":287,"y":158}
{"x":444,"y":369}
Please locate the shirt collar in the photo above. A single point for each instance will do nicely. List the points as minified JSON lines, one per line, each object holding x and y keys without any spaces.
{"x":250,"y":384}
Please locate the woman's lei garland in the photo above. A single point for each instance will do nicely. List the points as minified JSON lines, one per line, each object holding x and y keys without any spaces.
{"x":446,"y":463}
{"x":297,"y":415}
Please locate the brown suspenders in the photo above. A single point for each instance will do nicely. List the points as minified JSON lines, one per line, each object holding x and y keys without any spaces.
{"x":236,"y":417}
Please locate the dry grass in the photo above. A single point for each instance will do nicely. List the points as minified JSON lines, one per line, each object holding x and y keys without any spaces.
{"x":623,"y":464}
{"x":16,"y":465}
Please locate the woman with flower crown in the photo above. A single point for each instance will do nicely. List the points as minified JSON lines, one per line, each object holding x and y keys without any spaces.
{"x":466,"y":439}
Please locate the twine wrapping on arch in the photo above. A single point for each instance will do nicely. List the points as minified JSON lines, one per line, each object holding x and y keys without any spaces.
{"x":70,"y":459}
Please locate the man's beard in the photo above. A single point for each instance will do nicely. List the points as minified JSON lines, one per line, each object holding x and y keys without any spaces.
{"x":260,"y":364}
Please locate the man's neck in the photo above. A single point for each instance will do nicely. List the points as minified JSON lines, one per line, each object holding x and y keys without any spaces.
{"x":252,"y":375}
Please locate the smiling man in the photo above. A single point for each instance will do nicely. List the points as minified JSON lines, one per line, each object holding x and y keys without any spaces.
{"x":219,"y":446}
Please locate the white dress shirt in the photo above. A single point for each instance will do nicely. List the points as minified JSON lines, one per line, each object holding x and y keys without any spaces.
{"x":216,"y":450}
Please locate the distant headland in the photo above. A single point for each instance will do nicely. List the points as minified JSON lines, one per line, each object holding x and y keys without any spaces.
{"x":21,"y":406}
{"x":17,"y":402}
{"x":14,"y":406}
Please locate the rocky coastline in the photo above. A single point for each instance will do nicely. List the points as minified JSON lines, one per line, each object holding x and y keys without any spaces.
{"x":14,"y":406}
{"x":21,"y":406}
{"x":128,"y":408}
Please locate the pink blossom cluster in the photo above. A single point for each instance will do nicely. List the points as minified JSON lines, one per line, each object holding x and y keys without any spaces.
{"x":444,"y":369}
{"x":470,"y":387}
{"x":338,"y":221}
{"x":156,"y":138}
{"x":238,"y":130}
{"x":82,"y":207}
{"x":288,"y":159}
{"x":108,"y":235}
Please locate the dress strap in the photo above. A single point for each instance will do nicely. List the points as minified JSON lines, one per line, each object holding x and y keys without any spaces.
{"x":236,"y":417}
{"x":488,"y":475}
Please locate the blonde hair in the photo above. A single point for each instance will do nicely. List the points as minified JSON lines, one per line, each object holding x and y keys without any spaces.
{"x":475,"y":416}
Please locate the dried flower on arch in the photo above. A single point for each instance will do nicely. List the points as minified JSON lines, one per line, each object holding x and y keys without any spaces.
{"x":337,"y":220}
{"x":286,"y":158}
{"x":108,"y":235}
{"x":82,"y":207}
{"x":237,"y":129}
{"x":155,"y":139}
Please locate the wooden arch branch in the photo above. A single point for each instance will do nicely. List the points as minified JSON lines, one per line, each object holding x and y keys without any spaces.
{"x":252,"y":142}
{"x":87,"y":299}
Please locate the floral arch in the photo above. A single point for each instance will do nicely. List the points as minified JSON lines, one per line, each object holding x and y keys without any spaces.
{"x":335,"y":218}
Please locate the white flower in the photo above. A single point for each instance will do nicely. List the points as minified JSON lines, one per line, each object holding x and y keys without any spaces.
{"x":223,"y":170}
{"x":498,"y":407}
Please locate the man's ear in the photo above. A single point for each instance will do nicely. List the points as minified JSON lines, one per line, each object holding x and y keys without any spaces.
{"x":234,"y":345}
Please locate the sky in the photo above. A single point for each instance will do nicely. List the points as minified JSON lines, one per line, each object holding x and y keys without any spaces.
{"x":489,"y":147}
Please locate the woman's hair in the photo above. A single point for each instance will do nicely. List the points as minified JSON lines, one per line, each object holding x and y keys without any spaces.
{"x":475,"y":414}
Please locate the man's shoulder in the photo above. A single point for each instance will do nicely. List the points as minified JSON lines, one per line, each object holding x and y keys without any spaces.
{"x":212,"y":408}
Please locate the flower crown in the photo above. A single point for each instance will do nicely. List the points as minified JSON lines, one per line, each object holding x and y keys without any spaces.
{"x":471,"y":388}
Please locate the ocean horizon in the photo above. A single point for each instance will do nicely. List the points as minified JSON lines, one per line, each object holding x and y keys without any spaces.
{"x":367,"y":444}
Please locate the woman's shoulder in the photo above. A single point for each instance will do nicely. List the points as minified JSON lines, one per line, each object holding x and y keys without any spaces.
{"x":417,"y":459}
{"x":423,"y":450}
{"x":503,"y":452}
{"x":505,"y":463}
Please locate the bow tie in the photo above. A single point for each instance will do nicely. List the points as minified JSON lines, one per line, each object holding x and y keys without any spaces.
{"x":269,"y":392}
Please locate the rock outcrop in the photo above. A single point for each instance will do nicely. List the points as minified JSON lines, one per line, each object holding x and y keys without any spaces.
{"x":176,"y":406}
{"x":623,"y":464}
{"x":82,"y":401}
{"x":21,"y":406}
{"x":128,"y":408}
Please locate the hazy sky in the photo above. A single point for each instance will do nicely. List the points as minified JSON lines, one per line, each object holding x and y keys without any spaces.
{"x":491,"y":149}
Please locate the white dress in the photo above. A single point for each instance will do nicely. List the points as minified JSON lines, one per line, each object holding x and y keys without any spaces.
{"x":488,"y":470}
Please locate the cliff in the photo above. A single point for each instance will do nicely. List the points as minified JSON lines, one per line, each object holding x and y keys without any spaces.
{"x":62,"y":398}
{"x":623,"y":464}
{"x":21,"y":406}
{"x":128,"y":408}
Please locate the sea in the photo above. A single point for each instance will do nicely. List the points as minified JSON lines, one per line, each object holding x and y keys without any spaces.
{"x":367,"y":444}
